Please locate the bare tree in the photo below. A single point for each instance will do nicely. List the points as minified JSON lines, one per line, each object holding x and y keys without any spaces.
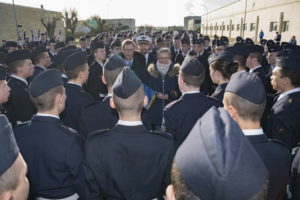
{"x":49,"y":22}
{"x":96,"y":24}
{"x":71,"y":20}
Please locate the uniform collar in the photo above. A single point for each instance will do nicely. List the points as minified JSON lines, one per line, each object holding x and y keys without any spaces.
{"x":41,"y":67}
{"x":19,"y":78}
{"x":73,"y":83}
{"x":253,"y":132}
{"x":130,"y":123}
{"x":191,"y":92}
{"x":46,"y":115}
{"x":251,"y":70}
{"x":288,"y":92}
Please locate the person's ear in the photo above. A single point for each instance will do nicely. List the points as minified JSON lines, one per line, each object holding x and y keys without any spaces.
{"x":170,"y":195}
{"x":145,"y":100}
{"x":112,"y":103}
{"x":232,"y":111}
{"x":6,"y":195}
{"x":103,"y":80}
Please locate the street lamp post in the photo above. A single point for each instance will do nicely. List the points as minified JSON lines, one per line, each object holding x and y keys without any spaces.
{"x":245,"y":15}
{"x":15,"y":15}
{"x":206,"y":16}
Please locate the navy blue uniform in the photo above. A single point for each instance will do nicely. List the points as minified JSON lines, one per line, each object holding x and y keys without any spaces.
{"x":181,"y":115}
{"x":19,"y":107}
{"x":128,"y":162}
{"x":94,"y":84}
{"x":37,"y":70}
{"x":53,"y":154}
{"x":207,"y":85}
{"x":179,"y":58}
{"x":76,"y":99}
{"x":260,"y":72}
{"x":219,"y":92}
{"x":167,"y":84}
{"x":283,"y":121}
{"x":295,"y":181}
{"x":277,"y":159}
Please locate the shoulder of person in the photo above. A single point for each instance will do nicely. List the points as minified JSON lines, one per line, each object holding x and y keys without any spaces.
{"x":165,"y":135}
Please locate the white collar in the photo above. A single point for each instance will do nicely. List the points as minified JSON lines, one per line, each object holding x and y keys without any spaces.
{"x":253,"y":132}
{"x":190,"y":92}
{"x":74,"y":83}
{"x":109,"y":95}
{"x":100,"y":63}
{"x":288,"y":92}
{"x":19,"y":78}
{"x":41,"y":67}
{"x":251,"y":70}
{"x":64,"y":76}
{"x":46,"y":115}
{"x":127,"y":123}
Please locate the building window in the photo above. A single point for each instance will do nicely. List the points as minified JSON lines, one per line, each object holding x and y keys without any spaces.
{"x":238,"y":27}
{"x":285,"y":26}
{"x":232,"y":27}
{"x":227,"y":27}
{"x":252,"y":26}
{"x":273,"y":26}
{"x":223,"y":27}
{"x":197,"y":21}
{"x":245,"y":27}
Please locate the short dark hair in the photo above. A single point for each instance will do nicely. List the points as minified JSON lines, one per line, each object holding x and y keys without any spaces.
{"x":73,"y":73}
{"x":190,"y":80}
{"x":46,"y":101}
{"x":256,"y":55}
{"x":294,"y":77}
{"x":12,"y":67}
{"x":39,"y":56}
{"x":10,"y":179}
{"x":131,"y":105}
{"x":224,"y":67}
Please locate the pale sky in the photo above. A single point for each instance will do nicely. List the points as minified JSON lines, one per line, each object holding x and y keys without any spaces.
{"x":151,"y":12}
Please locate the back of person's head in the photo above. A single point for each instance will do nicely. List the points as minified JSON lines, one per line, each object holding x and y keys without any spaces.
{"x":206,"y":165}
{"x":223,"y":62}
{"x":128,"y":93}
{"x":192,"y":72}
{"x":246,"y":93}
{"x":44,"y":88}
{"x":74,"y":64}
{"x":112,"y":68}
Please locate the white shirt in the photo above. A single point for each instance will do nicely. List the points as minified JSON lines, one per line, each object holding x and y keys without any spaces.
{"x":127,"y":123}
{"x":42,"y":67}
{"x":288,"y":92}
{"x":190,"y":92}
{"x":19,"y":78}
{"x":253,"y":132}
{"x":100,"y":63}
{"x":251,"y":70}
{"x":146,"y":57}
{"x":46,"y":115}
{"x":74,"y":83}
{"x":64,"y":76}
{"x":109,"y":95}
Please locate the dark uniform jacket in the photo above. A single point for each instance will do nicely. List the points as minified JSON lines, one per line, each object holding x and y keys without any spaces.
{"x":139,"y":67}
{"x":151,"y":58}
{"x":174,"y":53}
{"x":19,"y":106}
{"x":76,"y":99}
{"x":277,"y":159}
{"x":37,"y":70}
{"x":207,"y":85}
{"x":181,"y":115}
{"x":260,"y":72}
{"x":167,"y":84}
{"x":94,"y":84}
{"x":295,"y":181}
{"x":284,"y":120}
{"x":219,"y":92}
{"x":128,"y":162}
{"x":179,"y":58}
{"x":53,"y":154}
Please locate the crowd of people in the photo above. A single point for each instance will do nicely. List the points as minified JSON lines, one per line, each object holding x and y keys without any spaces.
{"x":144,"y":116}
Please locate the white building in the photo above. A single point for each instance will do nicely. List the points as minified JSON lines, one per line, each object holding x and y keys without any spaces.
{"x":247,"y":18}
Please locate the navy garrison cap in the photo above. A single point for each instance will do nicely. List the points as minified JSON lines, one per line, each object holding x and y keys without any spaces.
{"x":206,"y":38}
{"x":11,"y":44}
{"x":97,"y":44}
{"x":249,"y":41}
{"x":3,"y":72}
{"x":289,"y":59}
{"x":44,"y":82}
{"x":126,"y":84}
{"x":59,"y":45}
{"x":224,"y":56}
{"x":114,"y":62}
{"x":248,"y":86}
{"x":217,"y":161}
{"x":274,"y":48}
{"x":17,"y":55}
{"x":255,"y":49}
{"x":263,"y":41}
{"x":197,"y":41}
{"x":62,"y":55}
{"x":224,"y":38}
{"x":9,"y":149}
{"x":192,"y":53}
{"x":4,"y":51}
{"x":38,"y":50}
{"x":221,"y":43}
{"x":270,"y":42}
{"x":238,"y":51}
{"x":192,"y":67}
{"x":159,"y":39}
{"x":74,"y":60}
{"x":115,"y":43}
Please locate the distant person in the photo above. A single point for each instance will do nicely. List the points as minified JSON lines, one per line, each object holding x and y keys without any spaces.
{"x":293,"y":40}
{"x":221,"y":165}
{"x":261,"y":35}
{"x":277,"y":38}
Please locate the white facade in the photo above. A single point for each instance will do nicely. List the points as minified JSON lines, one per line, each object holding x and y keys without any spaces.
{"x":267,"y":15}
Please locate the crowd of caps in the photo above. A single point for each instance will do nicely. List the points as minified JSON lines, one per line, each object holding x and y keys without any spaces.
{"x":150,"y":116}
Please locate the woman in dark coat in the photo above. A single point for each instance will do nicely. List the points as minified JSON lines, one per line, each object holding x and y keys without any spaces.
{"x":163,"y":80}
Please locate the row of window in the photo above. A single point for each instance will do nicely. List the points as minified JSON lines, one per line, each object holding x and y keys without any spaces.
{"x":273,"y":27}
